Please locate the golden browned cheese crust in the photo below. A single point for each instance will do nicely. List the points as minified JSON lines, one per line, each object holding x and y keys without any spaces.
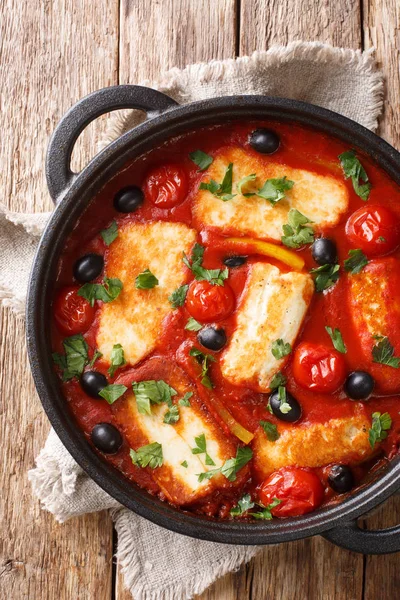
{"x":321,"y":198}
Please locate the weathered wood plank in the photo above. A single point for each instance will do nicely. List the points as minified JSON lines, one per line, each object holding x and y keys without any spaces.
{"x":51,"y":54}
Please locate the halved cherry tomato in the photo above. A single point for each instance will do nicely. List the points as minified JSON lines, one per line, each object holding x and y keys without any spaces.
{"x":374,"y":229}
{"x":72,"y":313}
{"x":318,"y":368}
{"x":166,"y":186}
{"x":207,"y":303}
{"x":299,"y":490}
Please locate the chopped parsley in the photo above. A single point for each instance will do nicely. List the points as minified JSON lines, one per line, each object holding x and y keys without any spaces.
{"x":117,"y":359}
{"x":73,"y":362}
{"x":201,"y":448}
{"x":243,"y":505}
{"x":213,"y":276}
{"x":150,"y":455}
{"x":112,"y":392}
{"x":383,"y":352}
{"x":280,"y":349}
{"x":231,"y":467}
{"x":178,"y":296}
{"x":277,"y":380}
{"x":243,"y":183}
{"x":96,"y":355}
{"x":284,"y":406}
{"x":107,"y":291}
{"x":201,"y":159}
{"x":193,"y":325}
{"x":274,"y":190}
{"x":356,"y":261}
{"x":271,"y":430}
{"x":152,"y":392}
{"x":221,"y":190}
{"x":297,"y":233}
{"x":265,"y":513}
{"x":146,"y":280}
{"x":379,"y":427}
{"x":172,"y":415}
{"x":184,"y":464}
{"x":353,"y":169}
{"x":203,"y":360}
{"x":185,"y":401}
{"x":325,"y":276}
{"x":337,"y":339}
{"x":110,"y":234}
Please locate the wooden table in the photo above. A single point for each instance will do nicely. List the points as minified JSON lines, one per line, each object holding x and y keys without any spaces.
{"x":53,"y":53}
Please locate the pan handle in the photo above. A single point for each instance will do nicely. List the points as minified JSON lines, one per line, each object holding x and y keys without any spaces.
{"x":351,"y":537}
{"x":58,"y":160}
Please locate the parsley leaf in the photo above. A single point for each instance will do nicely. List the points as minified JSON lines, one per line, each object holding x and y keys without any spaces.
{"x":271,"y":430}
{"x":172,"y":415}
{"x":75,"y":358}
{"x":146,"y":280}
{"x":150,"y":455}
{"x":96,"y":355}
{"x":110,"y":234}
{"x":265,"y":513}
{"x":214,"y":276}
{"x":379,"y":427}
{"x":354,"y":169}
{"x":184,"y":464}
{"x":284,"y":406}
{"x":178,"y":296}
{"x":326,"y":276}
{"x":117,"y":359}
{"x":201,"y":159}
{"x":337,"y":339}
{"x":356,"y":261}
{"x":185,"y":400}
{"x":274,"y":189}
{"x":232,"y":466}
{"x":193,"y":325}
{"x":151,"y":391}
{"x":207,"y":474}
{"x":297,"y":232}
{"x":243,"y":182}
{"x":201,"y":448}
{"x":107,"y":291}
{"x":277,"y":380}
{"x":221,"y":190}
{"x":383,"y":353}
{"x":280,"y":349}
{"x":243,"y":505}
{"x":112,"y":392}
{"x":203,"y":360}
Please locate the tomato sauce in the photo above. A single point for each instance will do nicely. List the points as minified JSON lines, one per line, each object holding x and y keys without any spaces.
{"x":300,"y":148}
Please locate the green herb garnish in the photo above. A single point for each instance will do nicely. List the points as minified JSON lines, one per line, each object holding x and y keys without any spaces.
{"x":277,"y":380}
{"x":110,"y":234}
{"x":383,"y":353}
{"x":107,"y":291}
{"x":213,"y":276}
{"x":379,"y":428}
{"x":354,"y":169}
{"x":152,"y":392}
{"x":325,"y":276}
{"x":271,"y":430}
{"x":184,"y":464}
{"x":297,"y":232}
{"x":146,"y":280}
{"x":201,"y":159}
{"x":284,"y":406}
{"x":96,"y":355}
{"x":265,"y":513}
{"x":73,"y":362}
{"x":178,"y":297}
{"x":243,"y":505}
{"x":337,"y":339}
{"x":193,"y":325}
{"x":172,"y":415}
{"x":185,"y":401}
{"x":280,"y":349}
{"x":201,"y":448}
{"x":356,"y":261}
{"x":231,"y":466}
{"x":203,"y":360}
{"x":150,"y":455}
{"x":221,"y":190}
{"x":274,"y":190}
{"x":112,"y":392}
{"x":117,"y":359}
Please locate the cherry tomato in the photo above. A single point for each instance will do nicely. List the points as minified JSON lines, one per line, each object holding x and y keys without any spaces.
{"x":299,"y":490}
{"x":207,"y":302}
{"x":166,"y":186}
{"x":373,"y":229}
{"x":73,"y":314}
{"x":318,"y":368}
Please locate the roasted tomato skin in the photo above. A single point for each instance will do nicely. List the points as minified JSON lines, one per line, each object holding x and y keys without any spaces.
{"x":207,"y":302}
{"x":319,"y":368}
{"x":374,"y":229}
{"x":72,"y":313}
{"x":166,"y":186}
{"x":299,"y":490}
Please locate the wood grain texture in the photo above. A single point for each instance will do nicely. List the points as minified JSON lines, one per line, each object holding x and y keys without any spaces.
{"x":51,"y":54}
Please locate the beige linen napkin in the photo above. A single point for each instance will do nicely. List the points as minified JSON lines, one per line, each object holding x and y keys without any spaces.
{"x":158,"y":564}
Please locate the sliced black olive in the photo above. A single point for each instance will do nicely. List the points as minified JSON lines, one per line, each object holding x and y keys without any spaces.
{"x":212,"y":338}
{"x":128,"y":199}
{"x":106,"y":438}
{"x":341,"y":478}
{"x":291,"y":415}
{"x":359,"y":385}
{"x":93,"y":382}
{"x":234,"y":261}
{"x":264,"y":141}
{"x":88,"y":267}
{"x":324,"y":251}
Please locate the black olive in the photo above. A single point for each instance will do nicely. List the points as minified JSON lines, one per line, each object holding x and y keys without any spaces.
{"x":341,"y":478}
{"x":211,"y":338}
{"x":293,"y":414}
{"x":264,"y":141}
{"x":234,"y":261}
{"x":128,"y":199}
{"x":93,"y":382}
{"x":324,"y":251}
{"x":359,"y":385}
{"x":88,"y":267}
{"x":106,"y":438}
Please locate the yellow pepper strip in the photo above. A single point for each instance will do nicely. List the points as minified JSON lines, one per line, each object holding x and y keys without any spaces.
{"x":236,"y":428}
{"x":292,"y":259}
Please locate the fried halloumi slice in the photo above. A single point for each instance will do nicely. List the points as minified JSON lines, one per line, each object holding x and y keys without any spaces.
{"x":374,"y":297}
{"x":313,"y":444}
{"x":134,"y":319}
{"x":178,"y":477}
{"x":273,"y":306}
{"x":321,"y":198}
